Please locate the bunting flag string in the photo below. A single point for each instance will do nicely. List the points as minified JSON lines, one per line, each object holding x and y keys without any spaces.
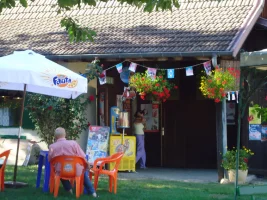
{"x":134,"y":65}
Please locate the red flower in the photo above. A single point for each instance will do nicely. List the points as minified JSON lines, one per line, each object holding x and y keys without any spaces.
{"x":50,"y":108}
{"x":91,"y":98}
{"x":224,"y":82}
{"x":209,"y":80}
{"x":142,"y":97}
{"x":245,"y":160}
{"x":175,"y":87}
{"x":102,"y":75}
{"x":160,"y":76}
{"x":88,"y":124}
{"x":217,"y":100}
{"x":157,"y":84}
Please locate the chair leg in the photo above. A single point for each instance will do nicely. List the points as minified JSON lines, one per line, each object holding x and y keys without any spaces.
{"x":78,"y":186}
{"x":57,"y":182}
{"x":96,"y":181}
{"x":81,"y":185}
{"x":110,"y":183}
{"x":115,"y":184}
{"x":2,"y":183}
{"x":51,"y":184}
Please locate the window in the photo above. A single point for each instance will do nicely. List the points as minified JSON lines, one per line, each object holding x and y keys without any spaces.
{"x":10,"y":104}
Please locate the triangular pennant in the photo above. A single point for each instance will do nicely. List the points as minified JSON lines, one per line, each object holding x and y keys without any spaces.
{"x":189,"y":71}
{"x":170,"y":73}
{"x":207,"y":67}
{"x":133,"y":67}
{"x":102,"y":78}
{"x":152,"y":73}
{"x":119,"y":67}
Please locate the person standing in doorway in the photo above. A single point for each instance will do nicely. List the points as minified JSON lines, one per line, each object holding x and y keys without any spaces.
{"x":140,"y":138}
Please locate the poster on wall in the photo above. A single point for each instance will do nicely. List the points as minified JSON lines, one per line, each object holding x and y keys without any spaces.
{"x":230,"y":113}
{"x":97,"y":143}
{"x":102,"y":109}
{"x":264,"y":133}
{"x":152,"y":117}
{"x":255,"y":132}
{"x":253,"y":118}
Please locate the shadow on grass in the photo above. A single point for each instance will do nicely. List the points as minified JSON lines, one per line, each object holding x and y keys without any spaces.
{"x":127,"y":189}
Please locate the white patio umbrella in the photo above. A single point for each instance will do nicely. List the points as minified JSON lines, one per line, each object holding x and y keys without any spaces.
{"x":28,"y":71}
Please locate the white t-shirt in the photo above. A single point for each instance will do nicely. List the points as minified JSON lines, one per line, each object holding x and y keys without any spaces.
{"x":138,"y":128}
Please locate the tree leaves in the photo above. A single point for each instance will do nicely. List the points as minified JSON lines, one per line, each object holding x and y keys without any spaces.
{"x":82,"y":34}
{"x":76,"y":32}
{"x":47,"y":113}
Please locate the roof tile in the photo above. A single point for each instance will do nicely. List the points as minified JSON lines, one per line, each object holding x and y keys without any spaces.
{"x":199,"y":25}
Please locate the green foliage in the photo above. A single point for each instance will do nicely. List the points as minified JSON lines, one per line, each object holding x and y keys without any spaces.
{"x":218,"y":83}
{"x":81,"y":34}
{"x":260,"y":112}
{"x":229,"y":159}
{"x":94,"y":69}
{"x":48,"y":113}
{"x":76,"y":32}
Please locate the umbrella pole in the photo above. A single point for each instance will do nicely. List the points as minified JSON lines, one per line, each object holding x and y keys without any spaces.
{"x":20,"y":124}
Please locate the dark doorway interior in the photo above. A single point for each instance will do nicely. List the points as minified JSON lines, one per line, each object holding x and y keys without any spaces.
{"x":190,"y":135}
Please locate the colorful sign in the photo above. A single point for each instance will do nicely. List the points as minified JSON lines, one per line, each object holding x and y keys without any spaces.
{"x":264,"y":133}
{"x":255,"y":132}
{"x":151,"y":117}
{"x":253,"y":118}
{"x":97,"y":144}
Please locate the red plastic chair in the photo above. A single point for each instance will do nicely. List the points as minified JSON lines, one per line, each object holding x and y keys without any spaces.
{"x":2,"y":169}
{"x":97,"y":171}
{"x":67,"y":171}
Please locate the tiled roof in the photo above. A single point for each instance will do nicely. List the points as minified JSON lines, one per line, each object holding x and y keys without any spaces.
{"x":194,"y":27}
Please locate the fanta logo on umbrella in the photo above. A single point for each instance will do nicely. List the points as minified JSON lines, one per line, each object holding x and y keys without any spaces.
{"x":64,"y":81}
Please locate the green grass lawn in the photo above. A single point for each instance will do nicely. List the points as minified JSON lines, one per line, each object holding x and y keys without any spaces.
{"x":127,"y":189}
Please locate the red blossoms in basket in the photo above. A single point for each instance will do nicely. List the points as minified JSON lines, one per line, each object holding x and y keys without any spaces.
{"x":160,"y":88}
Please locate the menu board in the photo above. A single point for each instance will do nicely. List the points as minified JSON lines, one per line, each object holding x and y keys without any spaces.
{"x":97,"y":143}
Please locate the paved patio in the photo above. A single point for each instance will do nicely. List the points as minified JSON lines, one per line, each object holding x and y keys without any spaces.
{"x":185,"y":175}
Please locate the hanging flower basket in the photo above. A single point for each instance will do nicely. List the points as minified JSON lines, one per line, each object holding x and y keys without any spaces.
{"x":159,"y":88}
{"x":218,"y":83}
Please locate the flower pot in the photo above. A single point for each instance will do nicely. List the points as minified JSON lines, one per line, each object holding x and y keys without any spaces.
{"x":242,"y":176}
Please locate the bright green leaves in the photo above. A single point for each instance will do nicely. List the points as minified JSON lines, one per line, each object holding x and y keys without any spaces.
{"x":23,"y":3}
{"x":76,"y":32}
{"x":151,"y":5}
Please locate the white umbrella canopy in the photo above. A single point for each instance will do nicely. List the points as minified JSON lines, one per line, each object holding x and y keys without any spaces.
{"x":40,"y":75}
{"x":32,"y":72}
